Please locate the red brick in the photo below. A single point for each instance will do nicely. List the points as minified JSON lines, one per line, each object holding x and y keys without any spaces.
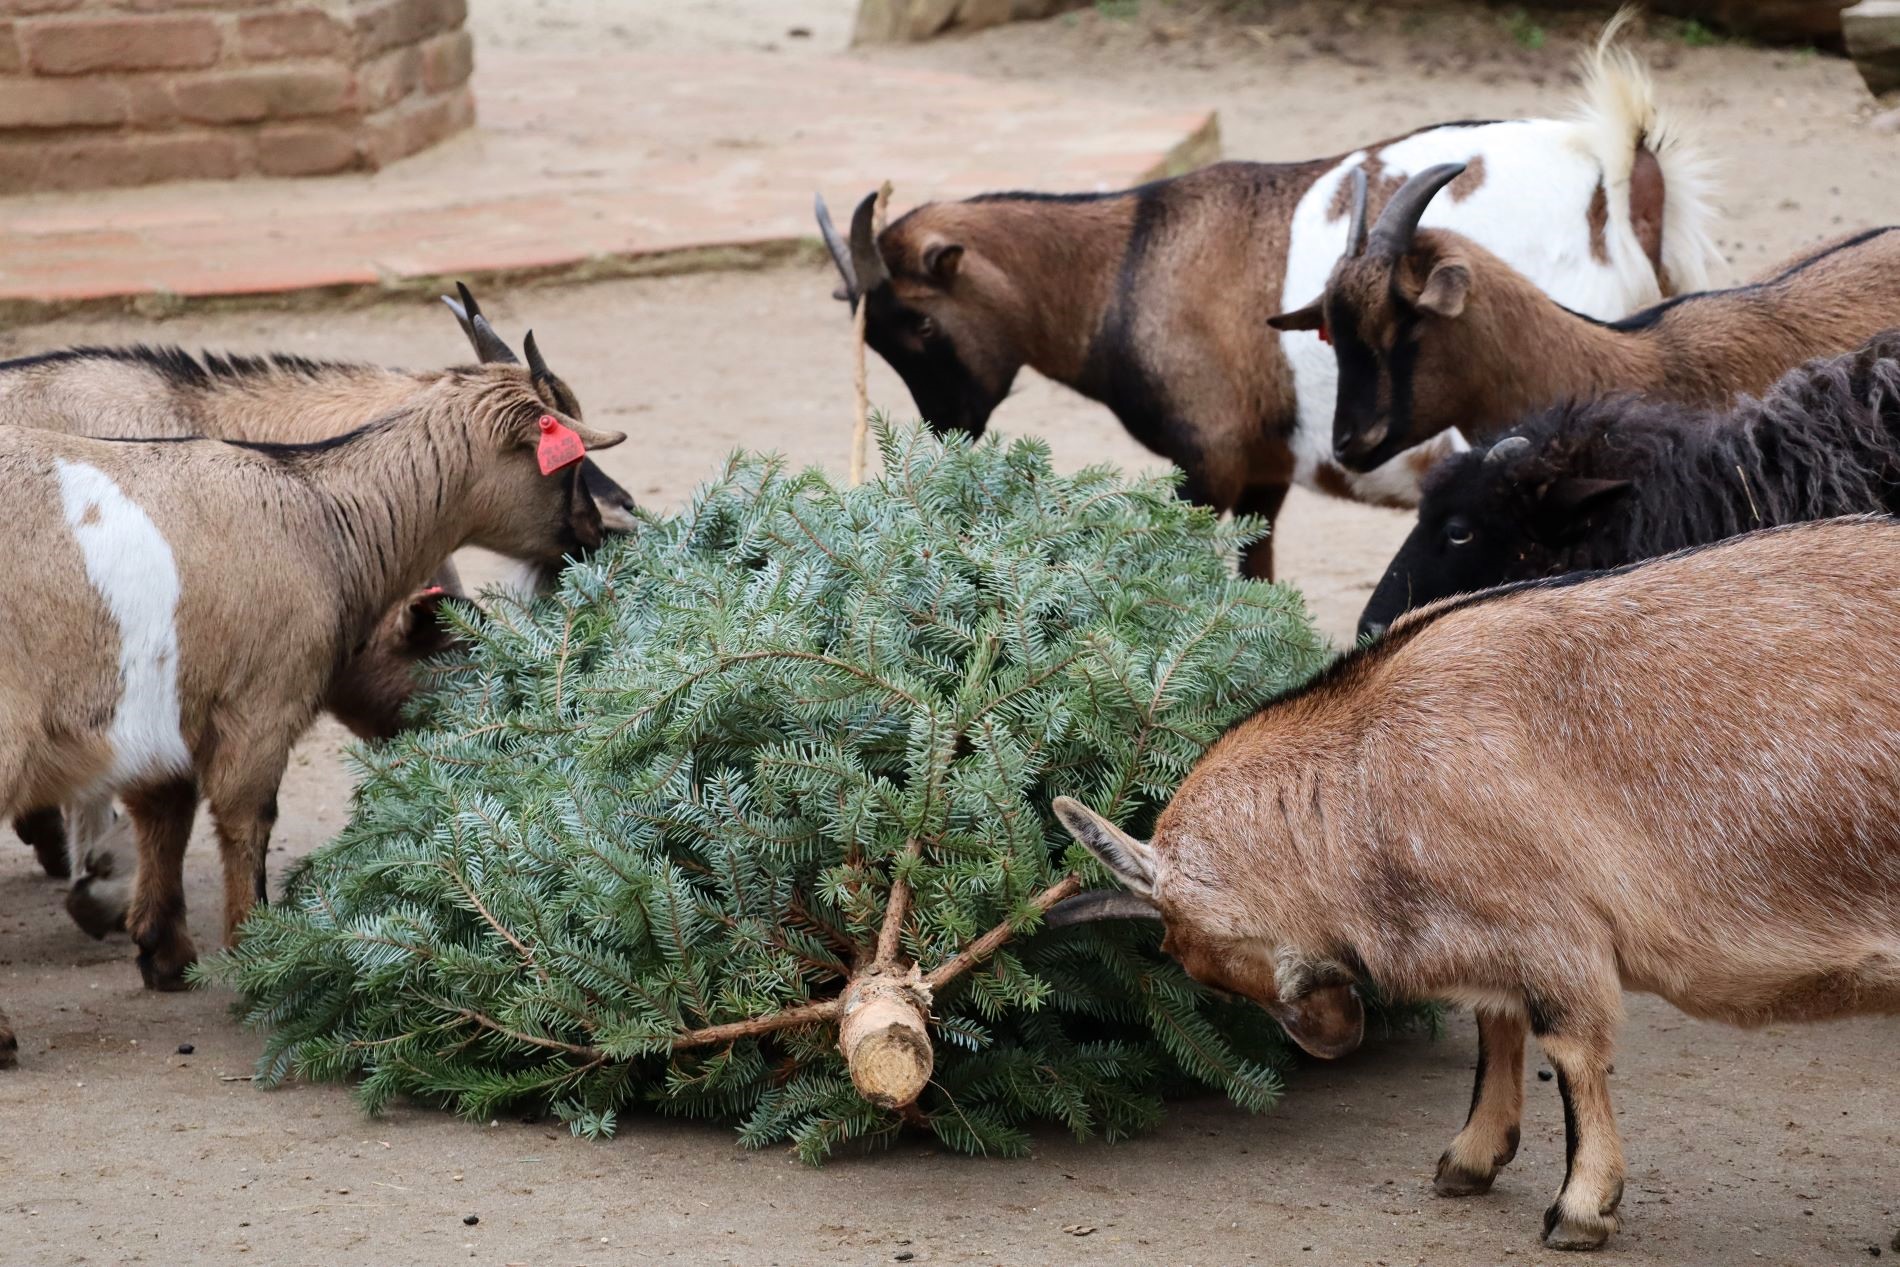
{"x":267,"y":92}
{"x":446,"y":15}
{"x":27,"y":8}
{"x":306,"y":149}
{"x":26,"y":102}
{"x":383,"y":81}
{"x":296,"y":33}
{"x":413,"y":126}
{"x":447,"y":61}
{"x":392,"y":23}
{"x":9,"y":49}
{"x":75,"y":46}
{"x":113,"y":159}
{"x":167,"y":6}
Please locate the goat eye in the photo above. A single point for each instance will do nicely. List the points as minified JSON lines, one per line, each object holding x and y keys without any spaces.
{"x":1458,"y":532}
{"x":926,"y":327}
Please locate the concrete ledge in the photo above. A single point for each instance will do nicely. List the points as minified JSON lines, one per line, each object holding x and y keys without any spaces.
{"x":588,"y":167}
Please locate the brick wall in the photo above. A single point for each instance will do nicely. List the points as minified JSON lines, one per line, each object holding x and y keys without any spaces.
{"x":125,"y":92}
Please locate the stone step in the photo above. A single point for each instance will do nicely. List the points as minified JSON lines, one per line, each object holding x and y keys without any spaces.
{"x":589,"y":166}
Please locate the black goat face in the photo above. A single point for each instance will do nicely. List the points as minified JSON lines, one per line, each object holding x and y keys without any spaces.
{"x":1491,"y":522}
{"x":1446,"y":554}
{"x":954,"y":384}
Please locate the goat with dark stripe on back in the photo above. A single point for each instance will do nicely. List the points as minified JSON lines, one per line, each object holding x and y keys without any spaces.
{"x":1434,"y":333}
{"x":1154,"y":300}
{"x":177,"y":611}
{"x":165,"y":393}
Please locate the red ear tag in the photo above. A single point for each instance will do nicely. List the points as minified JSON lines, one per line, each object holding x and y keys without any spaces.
{"x":1325,"y":335}
{"x":559,"y":445}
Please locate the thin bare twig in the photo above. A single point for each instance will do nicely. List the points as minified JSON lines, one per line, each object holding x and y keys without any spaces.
{"x":986,"y":945}
{"x":896,"y":911}
{"x":862,"y":430}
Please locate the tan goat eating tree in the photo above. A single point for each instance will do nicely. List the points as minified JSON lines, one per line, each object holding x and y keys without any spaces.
{"x":1680,"y":778}
{"x":177,"y":610}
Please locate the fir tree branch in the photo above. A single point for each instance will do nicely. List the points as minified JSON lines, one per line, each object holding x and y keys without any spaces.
{"x":809,"y":1014}
{"x":986,"y":945}
{"x":896,"y":911}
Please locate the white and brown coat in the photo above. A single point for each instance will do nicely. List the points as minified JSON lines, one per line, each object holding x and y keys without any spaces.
{"x":177,"y":611}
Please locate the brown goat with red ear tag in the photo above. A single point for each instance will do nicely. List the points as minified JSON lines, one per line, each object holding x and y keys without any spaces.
{"x":1679,"y":778}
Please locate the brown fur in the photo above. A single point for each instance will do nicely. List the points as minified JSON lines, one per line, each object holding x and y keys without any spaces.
{"x":1680,"y":779}
{"x":1511,"y":349}
{"x":286,"y":559}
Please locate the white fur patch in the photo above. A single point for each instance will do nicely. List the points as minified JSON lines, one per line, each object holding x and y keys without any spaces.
{"x":131,"y":568}
{"x":1532,"y":211}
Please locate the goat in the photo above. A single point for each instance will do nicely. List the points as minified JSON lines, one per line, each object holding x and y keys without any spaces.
{"x":177,"y":610}
{"x":1680,"y":777}
{"x":165,"y":393}
{"x":1433,"y":332}
{"x":1153,"y":300}
{"x":1610,"y":481}
{"x":370,"y":696}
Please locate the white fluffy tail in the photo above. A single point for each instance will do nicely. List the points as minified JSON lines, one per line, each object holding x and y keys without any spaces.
{"x":1618,"y":114}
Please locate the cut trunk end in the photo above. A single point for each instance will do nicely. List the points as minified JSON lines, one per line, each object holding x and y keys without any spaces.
{"x":885,"y":1038}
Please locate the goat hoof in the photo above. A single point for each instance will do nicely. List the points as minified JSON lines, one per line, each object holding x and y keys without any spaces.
{"x":94,"y":915}
{"x":1453,"y":1180}
{"x":163,"y":967}
{"x":9,"y":1049}
{"x":1565,"y":1230}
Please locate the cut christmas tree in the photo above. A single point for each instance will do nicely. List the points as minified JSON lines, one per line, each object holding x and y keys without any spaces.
{"x":751,"y":820}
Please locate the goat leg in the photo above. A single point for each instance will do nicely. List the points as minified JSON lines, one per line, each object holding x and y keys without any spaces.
{"x":244,"y":804}
{"x":161,"y":817}
{"x":1584,"y":1214}
{"x":1256,"y":561}
{"x":46,"y":833}
{"x":1488,"y":1141}
{"x":9,"y":1045}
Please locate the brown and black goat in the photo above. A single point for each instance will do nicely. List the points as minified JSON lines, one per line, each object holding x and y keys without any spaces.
{"x":1154,"y":300}
{"x":1680,"y":778}
{"x":177,"y":611}
{"x":1433,"y":332}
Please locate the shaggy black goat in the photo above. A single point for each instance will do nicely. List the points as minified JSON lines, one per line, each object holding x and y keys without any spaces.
{"x":1614,"y":480}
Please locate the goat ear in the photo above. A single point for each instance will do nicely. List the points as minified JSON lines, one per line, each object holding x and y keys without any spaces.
{"x":1327,"y":1022}
{"x":1446,"y":288}
{"x":942,"y":260}
{"x":424,"y":633}
{"x":1307,"y":318}
{"x":1574,"y":496}
{"x":598,"y":439}
{"x":1131,"y":861}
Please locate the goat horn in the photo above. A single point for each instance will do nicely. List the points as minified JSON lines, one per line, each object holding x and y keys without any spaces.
{"x":867,"y":259}
{"x":1506,"y":447}
{"x":1100,"y":904}
{"x":463,"y":308}
{"x":1392,"y":235}
{"x":835,"y":243}
{"x":489,"y":349}
{"x":1356,"y":235}
{"x":537,"y":367}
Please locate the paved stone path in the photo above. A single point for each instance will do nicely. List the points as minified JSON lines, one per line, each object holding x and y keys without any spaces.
{"x":614,"y":163}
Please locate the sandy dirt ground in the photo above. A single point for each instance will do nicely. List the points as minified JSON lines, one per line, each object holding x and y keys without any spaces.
{"x":1779,"y":1146}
